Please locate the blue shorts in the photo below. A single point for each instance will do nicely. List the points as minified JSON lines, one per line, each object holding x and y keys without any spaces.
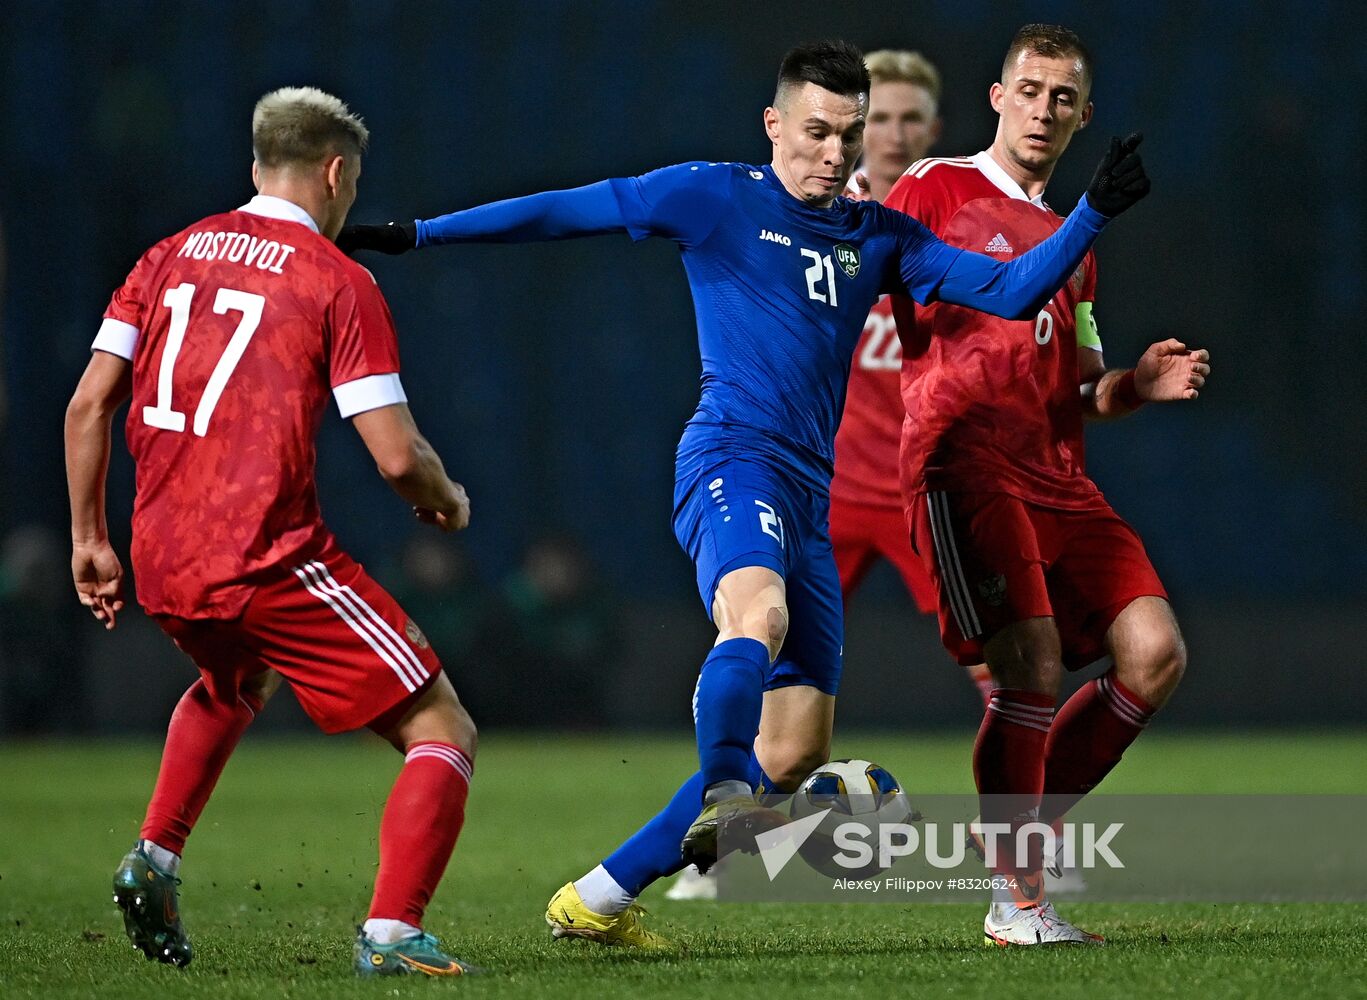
{"x":739,"y":512}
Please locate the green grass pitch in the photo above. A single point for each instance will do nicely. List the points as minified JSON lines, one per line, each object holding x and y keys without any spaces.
{"x":279,"y":872}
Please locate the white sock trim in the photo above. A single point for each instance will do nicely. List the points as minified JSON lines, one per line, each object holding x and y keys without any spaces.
{"x":167,"y":861}
{"x":601,"y":893}
{"x":720,"y":791}
{"x":454,"y":756}
{"x":385,"y":931}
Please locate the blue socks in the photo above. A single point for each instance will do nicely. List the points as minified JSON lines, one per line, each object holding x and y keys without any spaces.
{"x":652,"y":852}
{"x":726,"y":708}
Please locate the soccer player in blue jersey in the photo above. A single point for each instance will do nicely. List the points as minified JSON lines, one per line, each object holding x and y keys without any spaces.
{"x":783,"y":272}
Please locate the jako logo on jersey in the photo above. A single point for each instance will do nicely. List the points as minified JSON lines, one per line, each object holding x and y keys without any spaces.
{"x":773,"y":237}
{"x":848,"y":259}
{"x":999,"y":244}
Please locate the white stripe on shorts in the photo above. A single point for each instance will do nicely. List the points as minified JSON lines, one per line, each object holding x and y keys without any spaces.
{"x":380,"y":628}
{"x":349,"y":617}
{"x":947,"y":555}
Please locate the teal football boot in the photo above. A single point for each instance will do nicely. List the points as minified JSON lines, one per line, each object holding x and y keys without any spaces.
{"x":416,"y":955}
{"x":151,"y":909}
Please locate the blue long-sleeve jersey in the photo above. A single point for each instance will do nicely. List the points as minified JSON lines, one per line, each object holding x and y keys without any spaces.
{"x":780,"y":289}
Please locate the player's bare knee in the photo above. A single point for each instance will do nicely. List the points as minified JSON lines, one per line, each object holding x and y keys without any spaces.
{"x":1027,"y":656}
{"x":769,"y":626}
{"x":1047,"y":672}
{"x":465,"y":735}
{"x":801,"y":766}
{"x":454,"y":728}
{"x":1174,"y":666}
{"x":1042,"y":673}
{"x":436,"y":717}
{"x":776,"y":626}
{"x":1154,"y":668}
{"x":451,"y":723}
{"x":786,"y":766}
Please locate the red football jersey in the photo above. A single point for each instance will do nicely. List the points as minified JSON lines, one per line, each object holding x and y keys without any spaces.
{"x":866,"y":446}
{"x":238,"y":327}
{"x":992,"y":404}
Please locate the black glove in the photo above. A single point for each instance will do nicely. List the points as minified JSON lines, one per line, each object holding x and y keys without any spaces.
{"x":393,"y":237}
{"x":1119,"y":180}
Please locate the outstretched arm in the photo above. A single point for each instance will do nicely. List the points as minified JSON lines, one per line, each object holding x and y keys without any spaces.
{"x":1020,"y":288}
{"x":552,"y":215}
{"x":95,"y":569}
{"x":681,"y":203}
{"x":1168,"y":371}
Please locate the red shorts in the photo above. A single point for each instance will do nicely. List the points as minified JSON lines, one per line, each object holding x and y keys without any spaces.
{"x":997,"y":560}
{"x":345,"y":646}
{"x":863,"y":533}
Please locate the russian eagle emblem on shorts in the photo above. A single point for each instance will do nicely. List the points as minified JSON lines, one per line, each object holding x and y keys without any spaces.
{"x":993,"y":590}
{"x":414,"y":634}
{"x":848,"y":258}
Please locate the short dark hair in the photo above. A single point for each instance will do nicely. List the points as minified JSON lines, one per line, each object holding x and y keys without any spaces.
{"x":1052,"y":41}
{"x":836,"y":66}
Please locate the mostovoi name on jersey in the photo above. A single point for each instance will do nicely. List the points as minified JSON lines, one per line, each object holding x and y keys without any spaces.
{"x":237,"y":248}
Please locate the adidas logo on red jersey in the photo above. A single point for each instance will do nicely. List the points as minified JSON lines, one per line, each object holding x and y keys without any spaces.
{"x":999,"y":244}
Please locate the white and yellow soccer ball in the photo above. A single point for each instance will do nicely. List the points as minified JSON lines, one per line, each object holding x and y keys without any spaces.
{"x":857,"y":795}
{"x":852,"y":789}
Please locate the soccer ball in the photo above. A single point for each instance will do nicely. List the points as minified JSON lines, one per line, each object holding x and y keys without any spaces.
{"x":857,"y":789}
{"x":847,"y":791}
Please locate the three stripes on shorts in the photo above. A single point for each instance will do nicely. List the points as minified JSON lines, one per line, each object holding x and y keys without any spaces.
{"x":951,"y":569}
{"x":377,"y":633}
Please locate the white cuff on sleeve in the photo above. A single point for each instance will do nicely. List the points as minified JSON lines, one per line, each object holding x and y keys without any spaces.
{"x":116,"y":337}
{"x":368,"y":393}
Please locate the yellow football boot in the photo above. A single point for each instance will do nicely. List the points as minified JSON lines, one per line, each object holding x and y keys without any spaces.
{"x":569,"y":917}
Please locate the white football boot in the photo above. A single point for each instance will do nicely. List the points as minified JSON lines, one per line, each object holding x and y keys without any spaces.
{"x":1007,"y":924}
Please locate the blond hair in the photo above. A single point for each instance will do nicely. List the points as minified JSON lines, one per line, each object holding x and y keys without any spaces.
{"x":894,"y":66}
{"x":303,"y":125}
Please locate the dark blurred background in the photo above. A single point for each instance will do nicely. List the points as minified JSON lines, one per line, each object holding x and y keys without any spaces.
{"x":555,"y":379}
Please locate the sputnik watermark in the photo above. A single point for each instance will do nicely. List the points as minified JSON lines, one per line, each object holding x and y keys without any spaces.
{"x":855,"y":844}
{"x":1110,"y":848}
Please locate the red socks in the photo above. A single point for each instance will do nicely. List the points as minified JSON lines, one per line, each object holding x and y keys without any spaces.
{"x":1092,"y":731}
{"x":1008,"y":757}
{"x":1008,"y":764}
{"x":1029,"y":764}
{"x":422,"y":820}
{"x":201,"y":737}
